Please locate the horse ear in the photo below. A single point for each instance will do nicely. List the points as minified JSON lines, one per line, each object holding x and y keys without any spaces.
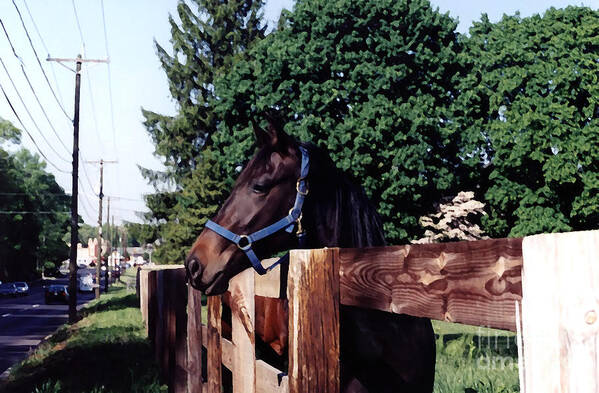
{"x":274,"y":135}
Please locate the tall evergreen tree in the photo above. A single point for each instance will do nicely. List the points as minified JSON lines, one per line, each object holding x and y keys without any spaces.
{"x":530,"y":119}
{"x":211,"y":35}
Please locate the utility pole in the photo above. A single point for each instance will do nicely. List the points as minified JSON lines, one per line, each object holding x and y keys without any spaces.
{"x":75,"y":190}
{"x":110,"y":257}
{"x":100,"y":197}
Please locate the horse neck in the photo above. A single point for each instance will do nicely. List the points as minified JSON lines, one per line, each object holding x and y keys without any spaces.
{"x":340,"y":214}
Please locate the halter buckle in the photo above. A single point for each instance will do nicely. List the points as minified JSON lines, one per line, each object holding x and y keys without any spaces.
{"x":298,"y":189}
{"x":247,"y":246}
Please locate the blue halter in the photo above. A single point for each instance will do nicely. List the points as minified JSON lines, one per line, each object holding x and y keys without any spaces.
{"x":244,"y":242}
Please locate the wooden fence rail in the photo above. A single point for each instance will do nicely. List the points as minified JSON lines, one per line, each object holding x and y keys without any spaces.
{"x":554,"y":276}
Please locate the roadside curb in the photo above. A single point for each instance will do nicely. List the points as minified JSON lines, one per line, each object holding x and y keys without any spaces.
{"x":6,"y":373}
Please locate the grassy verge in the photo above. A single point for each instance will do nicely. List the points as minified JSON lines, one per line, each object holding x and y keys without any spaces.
{"x":106,"y":351}
{"x":475,"y":360}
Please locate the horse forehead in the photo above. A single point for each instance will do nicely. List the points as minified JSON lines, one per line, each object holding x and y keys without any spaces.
{"x":277,"y":163}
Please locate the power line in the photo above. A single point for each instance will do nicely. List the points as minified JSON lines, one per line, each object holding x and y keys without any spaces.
{"x":85,"y":201}
{"x":89,"y":182}
{"x":27,"y":110}
{"x":33,"y":90}
{"x":47,"y":52}
{"x":27,"y":131}
{"x":93,"y":105}
{"x":78,"y":26}
{"x":33,"y":212}
{"x":26,"y":193}
{"x":109,"y":77}
{"x":37,"y":58}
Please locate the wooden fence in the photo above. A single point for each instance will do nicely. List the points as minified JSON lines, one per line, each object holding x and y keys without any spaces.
{"x":552,"y":280}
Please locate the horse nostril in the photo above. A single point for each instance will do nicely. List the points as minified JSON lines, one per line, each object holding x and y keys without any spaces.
{"x":194,"y":267}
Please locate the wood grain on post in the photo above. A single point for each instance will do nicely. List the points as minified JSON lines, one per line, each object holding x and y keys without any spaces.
{"x":213,"y":345}
{"x":560,"y":312}
{"x":152,"y":307}
{"x":475,"y":283}
{"x":176,"y":279}
{"x":143,"y":296}
{"x":242,"y":306}
{"x":194,"y":340}
{"x":162,"y":324}
{"x":313,"y":293}
{"x":269,"y":284}
{"x":268,"y":377}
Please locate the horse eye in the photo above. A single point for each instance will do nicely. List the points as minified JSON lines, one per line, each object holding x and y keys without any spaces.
{"x":260,"y":188}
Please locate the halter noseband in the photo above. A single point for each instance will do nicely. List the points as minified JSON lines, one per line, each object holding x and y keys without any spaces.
{"x":244,"y":242}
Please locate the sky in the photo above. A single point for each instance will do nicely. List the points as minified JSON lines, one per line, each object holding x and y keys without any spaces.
{"x":112,"y":129}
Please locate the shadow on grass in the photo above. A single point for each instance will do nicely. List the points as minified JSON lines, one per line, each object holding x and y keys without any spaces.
{"x":101,"y":359}
{"x":111,"y":304}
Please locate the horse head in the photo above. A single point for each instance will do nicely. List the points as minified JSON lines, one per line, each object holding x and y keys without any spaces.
{"x":263,"y":203}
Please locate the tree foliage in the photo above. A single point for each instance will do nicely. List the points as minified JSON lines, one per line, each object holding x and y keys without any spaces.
{"x":412,"y":109}
{"x":206,"y":42}
{"x":530,"y":115}
{"x":371,"y":82}
{"x":34,"y":211}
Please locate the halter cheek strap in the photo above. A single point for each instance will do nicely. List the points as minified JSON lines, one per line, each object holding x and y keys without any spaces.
{"x":244,"y":242}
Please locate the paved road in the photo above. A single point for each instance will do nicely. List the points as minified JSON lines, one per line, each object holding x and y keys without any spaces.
{"x":25,"y":321}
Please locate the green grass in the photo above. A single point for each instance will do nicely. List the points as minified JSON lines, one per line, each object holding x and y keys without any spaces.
{"x":107,"y":351}
{"x":475,"y":360}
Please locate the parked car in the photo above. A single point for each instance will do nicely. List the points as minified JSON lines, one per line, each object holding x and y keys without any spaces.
{"x":86,"y":283}
{"x":22,"y":288}
{"x":8,"y":289}
{"x":56,"y":293}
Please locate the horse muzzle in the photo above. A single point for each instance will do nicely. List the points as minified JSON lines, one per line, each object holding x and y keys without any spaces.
{"x":209,"y":284}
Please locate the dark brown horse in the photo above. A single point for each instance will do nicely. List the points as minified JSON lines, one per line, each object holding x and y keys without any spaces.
{"x":380,"y":352}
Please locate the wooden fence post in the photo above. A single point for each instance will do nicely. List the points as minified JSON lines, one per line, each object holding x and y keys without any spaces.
{"x":152,"y":308}
{"x":144,"y":296}
{"x":175,"y":316}
{"x":560,"y":312}
{"x":214,"y":345}
{"x":243,"y":319}
{"x":194,"y":340}
{"x":313,"y":293}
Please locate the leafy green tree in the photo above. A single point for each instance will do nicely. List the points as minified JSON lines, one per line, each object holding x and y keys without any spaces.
{"x":140,"y":234}
{"x":33,"y":211}
{"x":530,"y":119}
{"x":48,"y":197}
{"x":372,"y":82}
{"x":209,"y":38}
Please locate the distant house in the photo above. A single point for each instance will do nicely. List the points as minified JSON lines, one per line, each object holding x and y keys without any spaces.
{"x":89,"y":254}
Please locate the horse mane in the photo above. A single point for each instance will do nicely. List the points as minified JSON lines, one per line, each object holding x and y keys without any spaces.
{"x":338,"y":213}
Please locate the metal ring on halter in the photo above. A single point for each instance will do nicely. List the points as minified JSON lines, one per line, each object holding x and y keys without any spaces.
{"x":297,"y":187}
{"x":247,"y":246}
{"x":300,"y":215}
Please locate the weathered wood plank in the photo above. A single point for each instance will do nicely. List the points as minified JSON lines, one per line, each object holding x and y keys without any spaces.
{"x":227,"y":353}
{"x":143,"y":296}
{"x":151,"y":307}
{"x":176,"y":279}
{"x":213,"y":345}
{"x":242,"y":306}
{"x":267,"y":379}
{"x":162,"y":325}
{"x":313,"y":292}
{"x":269,"y":284}
{"x":560,"y":312}
{"x":195,"y":338}
{"x":475,"y":283}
